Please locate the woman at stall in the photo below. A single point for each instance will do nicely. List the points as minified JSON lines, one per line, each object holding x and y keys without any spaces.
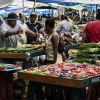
{"x":52,"y":40}
{"x":52,"y":55}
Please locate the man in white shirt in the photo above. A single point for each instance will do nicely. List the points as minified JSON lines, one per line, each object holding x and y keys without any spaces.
{"x":9,"y":31}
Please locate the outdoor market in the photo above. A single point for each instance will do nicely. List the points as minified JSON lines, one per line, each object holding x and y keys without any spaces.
{"x":49,"y":50}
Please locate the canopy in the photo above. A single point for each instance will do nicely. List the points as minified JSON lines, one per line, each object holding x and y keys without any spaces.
{"x":5,"y":3}
{"x":70,"y":2}
{"x":56,"y":1}
{"x":29,"y":4}
{"x":83,"y":1}
{"x":75,"y":7}
{"x":14,"y":8}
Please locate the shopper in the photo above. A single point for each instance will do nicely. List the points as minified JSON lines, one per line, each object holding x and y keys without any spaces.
{"x":52,"y":55}
{"x":52,"y":40}
{"x":64,"y":29}
{"x":93,"y":30}
{"x":9,"y":31}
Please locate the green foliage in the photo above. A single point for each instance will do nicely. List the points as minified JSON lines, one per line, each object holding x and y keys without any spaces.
{"x":85,"y":46}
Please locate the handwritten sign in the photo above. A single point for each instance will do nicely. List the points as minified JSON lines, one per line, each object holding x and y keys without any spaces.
{"x":95,"y":80}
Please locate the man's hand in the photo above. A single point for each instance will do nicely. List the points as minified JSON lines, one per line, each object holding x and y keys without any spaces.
{"x":19,"y":31}
{"x":37,"y":34}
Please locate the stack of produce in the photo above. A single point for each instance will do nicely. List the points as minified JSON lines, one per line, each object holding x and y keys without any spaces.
{"x":72,"y":70}
{"x":88,"y":52}
{"x":22,"y":49}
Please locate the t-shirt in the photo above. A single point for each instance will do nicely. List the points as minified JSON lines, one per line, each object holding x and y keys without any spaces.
{"x":36,"y":28}
{"x":10,"y":41}
{"x":64,"y":27}
{"x":93,"y":29}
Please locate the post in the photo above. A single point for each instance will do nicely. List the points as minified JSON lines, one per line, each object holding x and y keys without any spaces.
{"x":33,"y":9}
{"x":58,"y":12}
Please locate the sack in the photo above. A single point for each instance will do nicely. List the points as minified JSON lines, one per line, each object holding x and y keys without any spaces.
{"x":61,"y":45}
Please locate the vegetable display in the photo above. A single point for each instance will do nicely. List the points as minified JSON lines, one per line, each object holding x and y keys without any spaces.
{"x":71,"y":70}
{"x":22,"y":49}
{"x":88,"y":52}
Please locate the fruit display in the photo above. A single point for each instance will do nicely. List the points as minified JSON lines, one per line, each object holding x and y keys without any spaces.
{"x":88,"y":52}
{"x":22,"y":49}
{"x":71,"y":70}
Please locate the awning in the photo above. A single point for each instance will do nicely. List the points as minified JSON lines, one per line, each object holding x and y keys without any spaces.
{"x":5,"y":3}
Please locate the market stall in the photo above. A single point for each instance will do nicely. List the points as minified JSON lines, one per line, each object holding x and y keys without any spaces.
{"x":24,"y":53}
{"x":62,"y":79}
{"x":6,"y":81}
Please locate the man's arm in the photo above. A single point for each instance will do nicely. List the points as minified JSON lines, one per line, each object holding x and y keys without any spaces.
{"x":31,"y":33}
{"x":10,"y":33}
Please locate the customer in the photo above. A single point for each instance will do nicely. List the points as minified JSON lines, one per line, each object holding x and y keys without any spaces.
{"x":52,"y":40}
{"x":52,"y":55}
{"x":65,"y":29}
{"x":93,"y":30}
{"x":9,"y":31}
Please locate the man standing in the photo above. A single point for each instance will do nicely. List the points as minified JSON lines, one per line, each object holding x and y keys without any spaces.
{"x":34,"y":26}
{"x":9,"y":31}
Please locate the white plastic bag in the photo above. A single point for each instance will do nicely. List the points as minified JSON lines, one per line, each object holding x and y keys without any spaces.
{"x":22,"y":37}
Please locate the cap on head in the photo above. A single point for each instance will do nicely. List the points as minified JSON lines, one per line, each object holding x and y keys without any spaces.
{"x":33,"y":15}
{"x":12,"y":16}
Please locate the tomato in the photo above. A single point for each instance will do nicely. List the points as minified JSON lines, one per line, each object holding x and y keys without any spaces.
{"x":31,"y":68}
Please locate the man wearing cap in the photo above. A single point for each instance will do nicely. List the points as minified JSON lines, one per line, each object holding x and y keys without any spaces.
{"x":34,"y":26}
{"x":9,"y":31}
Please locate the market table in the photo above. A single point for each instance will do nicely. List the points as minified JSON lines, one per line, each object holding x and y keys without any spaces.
{"x":6,"y":76}
{"x":76,"y":86}
{"x":21,"y":56}
{"x":6,"y":84}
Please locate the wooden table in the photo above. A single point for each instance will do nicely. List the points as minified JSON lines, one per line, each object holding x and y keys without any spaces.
{"x":6,"y":84}
{"x":21,"y":55}
{"x":6,"y":76}
{"x":76,"y":86}
{"x":25,"y":57}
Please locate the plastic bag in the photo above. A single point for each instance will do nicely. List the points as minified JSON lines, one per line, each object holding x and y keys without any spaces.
{"x":22,"y":37}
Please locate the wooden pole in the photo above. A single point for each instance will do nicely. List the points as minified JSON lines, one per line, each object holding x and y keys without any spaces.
{"x":33,"y":9}
{"x":58,"y":12}
{"x":23,"y":10}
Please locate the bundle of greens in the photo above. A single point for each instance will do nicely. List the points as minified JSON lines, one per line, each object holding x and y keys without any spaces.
{"x":88,"y":52}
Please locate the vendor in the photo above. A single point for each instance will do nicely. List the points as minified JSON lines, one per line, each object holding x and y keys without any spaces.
{"x":34,"y":26}
{"x":9,"y":31}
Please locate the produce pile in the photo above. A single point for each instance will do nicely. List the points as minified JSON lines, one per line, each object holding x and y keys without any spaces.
{"x":71,"y":70}
{"x":8,"y":66}
{"x":88,"y":52}
{"x":22,"y":49}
